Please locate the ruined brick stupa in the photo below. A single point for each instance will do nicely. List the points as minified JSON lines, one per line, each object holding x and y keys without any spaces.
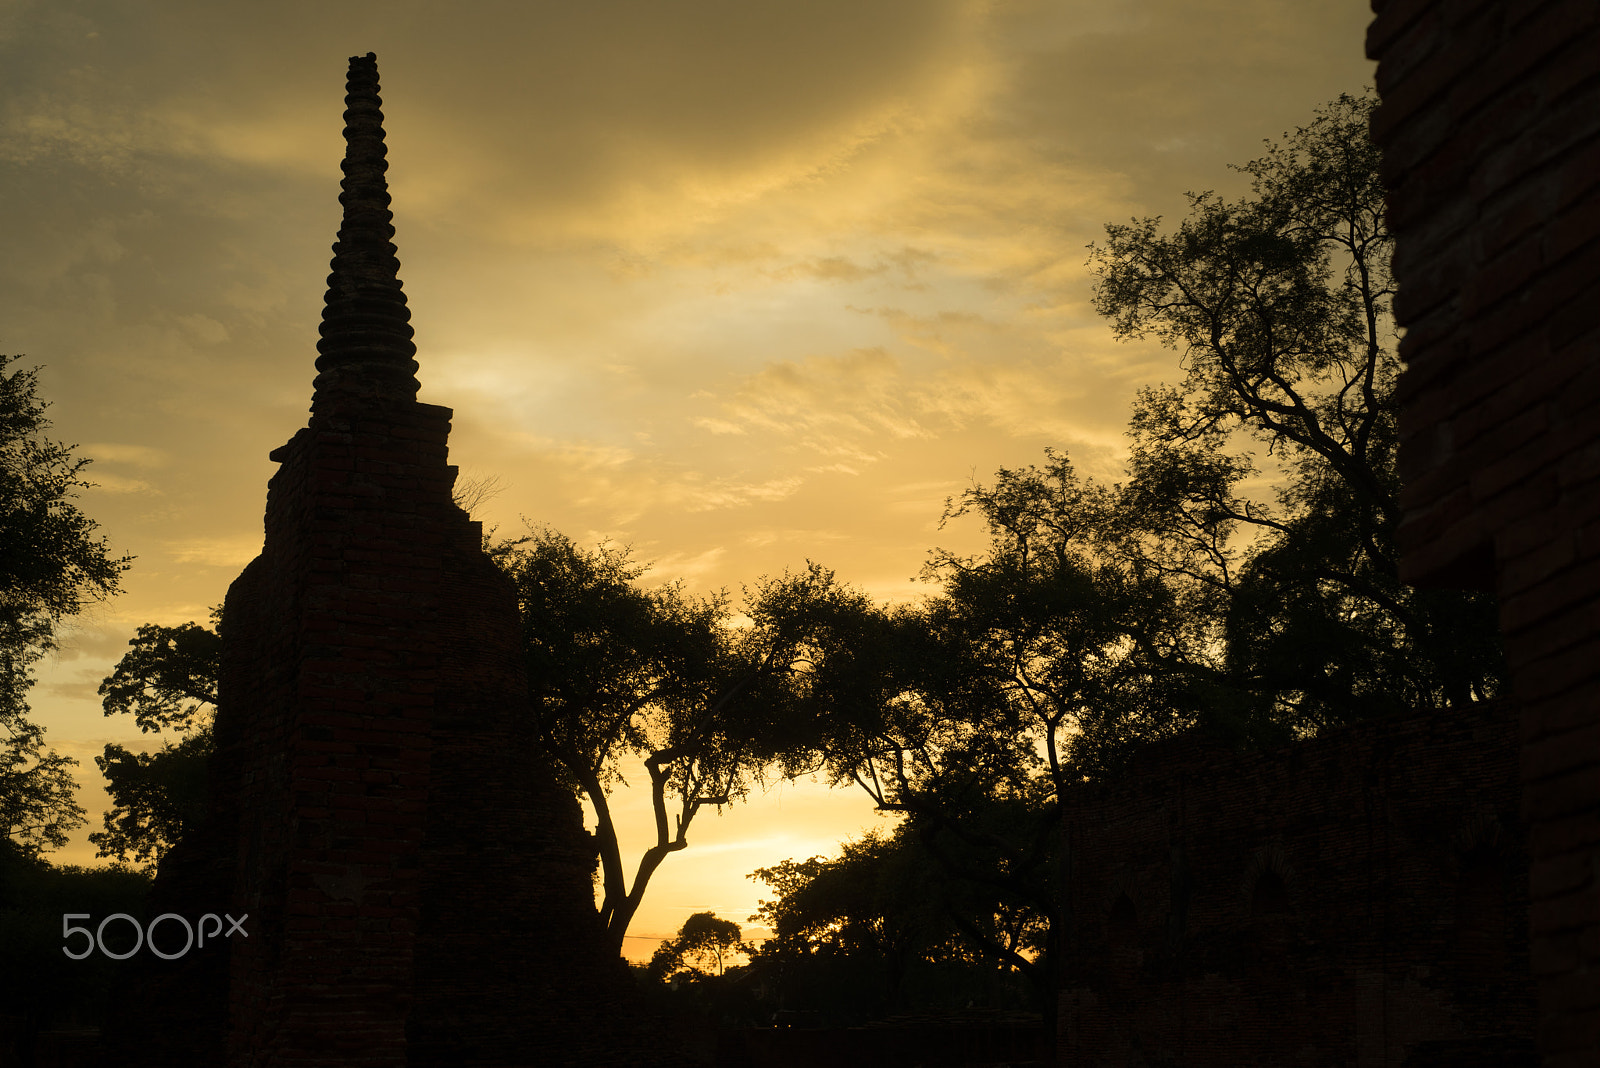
{"x":418,"y":887}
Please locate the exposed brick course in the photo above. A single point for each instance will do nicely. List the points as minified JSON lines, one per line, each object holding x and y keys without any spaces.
{"x":1490,"y":126}
{"x":1354,"y":899}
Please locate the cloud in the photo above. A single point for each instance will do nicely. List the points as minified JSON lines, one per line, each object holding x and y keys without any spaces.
{"x":116,"y":484}
{"x":586,"y":456}
{"x":693,"y":493}
{"x":688,"y":566}
{"x":717,"y":426}
{"x":86,"y":689}
{"x":84,"y":750}
{"x":626,"y":485}
{"x":563,"y":118}
{"x":204,"y":329}
{"x":632,"y":234}
{"x":102,"y":639}
{"x":807,"y":536}
{"x":234,"y":552}
{"x":830,"y":405}
{"x":121,"y":453}
{"x":916,"y":498}
{"x":829,"y":269}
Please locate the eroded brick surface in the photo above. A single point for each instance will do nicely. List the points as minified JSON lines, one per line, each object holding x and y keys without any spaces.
{"x":1354,"y":899}
{"x":1490,"y":126}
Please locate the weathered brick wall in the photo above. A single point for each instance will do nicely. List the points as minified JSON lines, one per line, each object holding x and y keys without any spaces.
{"x":332,"y":701}
{"x":1353,"y":899}
{"x":960,"y":1039}
{"x":1490,"y":128}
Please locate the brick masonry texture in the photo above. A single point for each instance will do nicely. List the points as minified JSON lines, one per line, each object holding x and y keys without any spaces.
{"x":417,"y":883}
{"x":1490,"y":127}
{"x":1353,"y":899}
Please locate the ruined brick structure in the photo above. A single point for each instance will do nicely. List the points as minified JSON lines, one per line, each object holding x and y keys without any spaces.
{"x":1490,"y":129}
{"x":1353,"y":899}
{"x":418,"y":887}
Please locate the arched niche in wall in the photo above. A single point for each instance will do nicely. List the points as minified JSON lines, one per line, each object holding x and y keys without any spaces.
{"x":1481,"y":929}
{"x":1269,"y":909}
{"x":1266,"y":884}
{"x":1180,"y":888}
{"x":1482,"y":932}
{"x":1269,"y":897}
{"x":1122,"y":940}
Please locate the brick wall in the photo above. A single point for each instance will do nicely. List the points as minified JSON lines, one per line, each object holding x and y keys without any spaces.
{"x":1490,"y":127}
{"x":971,"y":1038}
{"x":1350,"y":900}
{"x":327,"y":696}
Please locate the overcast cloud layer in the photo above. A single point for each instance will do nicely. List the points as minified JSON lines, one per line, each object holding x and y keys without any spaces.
{"x":738,"y":283}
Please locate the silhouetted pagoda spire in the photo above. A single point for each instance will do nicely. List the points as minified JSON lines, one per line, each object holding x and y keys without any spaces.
{"x":366,"y":348}
{"x":415,"y":875}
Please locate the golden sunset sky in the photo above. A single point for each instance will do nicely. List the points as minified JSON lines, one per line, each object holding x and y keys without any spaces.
{"x":737,"y":282}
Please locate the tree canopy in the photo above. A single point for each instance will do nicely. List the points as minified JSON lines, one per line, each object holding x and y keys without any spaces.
{"x":51,"y":565}
{"x":1280,"y":304}
{"x":168,"y":678}
{"x":705,"y":941}
{"x":1241,"y":580}
{"x":1101,"y":617}
{"x":621,"y":672}
{"x":872,"y":931}
{"x":167,"y":681}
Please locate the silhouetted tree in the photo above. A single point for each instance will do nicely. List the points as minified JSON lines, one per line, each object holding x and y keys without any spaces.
{"x":1281,"y":305}
{"x":40,"y":987}
{"x":1102,"y":618}
{"x":51,"y":565}
{"x":168,"y":678}
{"x":619,"y":671}
{"x":1036,"y":666}
{"x":166,"y":681}
{"x":704,"y":941}
{"x":876,"y":926}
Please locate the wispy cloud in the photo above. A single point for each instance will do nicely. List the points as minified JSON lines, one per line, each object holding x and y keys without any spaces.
{"x":740,"y":283}
{"x":107,"y":483}
{"x":232,"y":552}
{"x":123,"y":453}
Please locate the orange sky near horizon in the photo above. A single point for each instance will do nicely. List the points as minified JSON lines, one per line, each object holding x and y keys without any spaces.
{"x":739,"y":284}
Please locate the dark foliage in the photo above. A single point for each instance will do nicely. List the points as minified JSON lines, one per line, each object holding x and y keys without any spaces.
{"x":874,"y":932}
{"x":619,"y":672}
{"x":51,"y":566}
{"x":40,"y":984}
{"x":703,"y":945}
{"x":166,"y":681}
{"x":1103,"y":618}
{"x":1280,"y":304}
